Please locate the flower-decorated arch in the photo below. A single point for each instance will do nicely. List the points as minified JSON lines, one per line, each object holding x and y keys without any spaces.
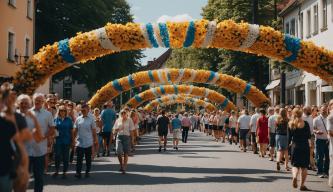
{"x":227,"y":34}
{"x":233,"y":84}
{"x":181,"y":90}
{"x":174,"y":99}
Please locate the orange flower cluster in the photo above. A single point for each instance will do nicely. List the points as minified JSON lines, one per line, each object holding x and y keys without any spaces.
{"x":177,"y":33}
{"x":126,"y":37}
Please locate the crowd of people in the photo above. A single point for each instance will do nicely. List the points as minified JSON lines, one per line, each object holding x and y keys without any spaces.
{"x":41,"y":130}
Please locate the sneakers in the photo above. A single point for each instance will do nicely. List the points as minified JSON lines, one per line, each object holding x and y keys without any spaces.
{"x":176,"y":148}
{"x":160,"y":149}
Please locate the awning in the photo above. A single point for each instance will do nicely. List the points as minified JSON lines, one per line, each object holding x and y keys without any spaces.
{"x":273,"y":84}
{"x":292,"y":82}
{"x":308,"y":77}
{"x":299,"y":81}
{"x":327,"y":89}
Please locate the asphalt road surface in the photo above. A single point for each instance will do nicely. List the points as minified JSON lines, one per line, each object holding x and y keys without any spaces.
{"x":199,"y":165}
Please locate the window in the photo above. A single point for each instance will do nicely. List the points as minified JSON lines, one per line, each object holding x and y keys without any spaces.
{"x":301,"y":26}
{"x":308,"y":30}
{"x":27,"y":47}
{"x":287,"y":28}
{"x":324,"y":12}
{"x":11,"y":48}
{"x":293,"y":27}
{"x":315,"y":20}
{"x":12,"y":3}
{"x":29,"y":9}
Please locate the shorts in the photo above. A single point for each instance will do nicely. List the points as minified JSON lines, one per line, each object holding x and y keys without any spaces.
{"x":233,"y":131}
{"x":106,"y":136}
{"x":220,"y":128}
{"x":162,"y":133}
{"x":215,"y":127}
{"x":176,"y":133}
{"x":122,"y":144}
{"x":272,"y":139}
{"x":227,"y":131}
{"x":210,"y":127}
{"x":206,"y":126}
{"x":281,"y":142}
{"x":243,"y":134}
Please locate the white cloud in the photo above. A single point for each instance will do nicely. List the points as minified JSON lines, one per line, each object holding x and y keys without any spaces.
{"x":177,"y":18}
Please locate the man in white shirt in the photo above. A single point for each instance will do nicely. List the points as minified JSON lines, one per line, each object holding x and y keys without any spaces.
{"x":85,"y":130}
{"x":37,"y":156}
{"x":253,"y":125}
{"x":243,"y":128}
{"x":322,"y":152}
{"x":330,"y":131}
{"x":308,"y":118}
{"x":273,"y":114}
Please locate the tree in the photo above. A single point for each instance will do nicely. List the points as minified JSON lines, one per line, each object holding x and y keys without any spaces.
{"x":59,"y":19}
{"x":234,"y":63}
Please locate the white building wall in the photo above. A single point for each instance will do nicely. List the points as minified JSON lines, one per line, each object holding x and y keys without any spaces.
{"x":324,"y":38}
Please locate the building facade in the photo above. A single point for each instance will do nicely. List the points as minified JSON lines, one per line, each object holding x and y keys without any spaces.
{"x":17,"y":37}
{"x":310,"y":20}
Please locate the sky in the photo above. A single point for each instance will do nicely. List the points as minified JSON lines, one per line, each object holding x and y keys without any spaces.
{"x":145,"y":11}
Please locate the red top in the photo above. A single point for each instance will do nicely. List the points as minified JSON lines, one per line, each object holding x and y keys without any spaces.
{"x":262,"y":129}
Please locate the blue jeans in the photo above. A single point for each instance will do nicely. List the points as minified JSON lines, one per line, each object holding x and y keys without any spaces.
{"x":61,"y":152}
{"x":6,"y":183}
{"x":322,"y":156}
{"x":37,"y":166}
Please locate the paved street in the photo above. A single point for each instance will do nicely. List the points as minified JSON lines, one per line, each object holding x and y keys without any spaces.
{"x":200,"y":165}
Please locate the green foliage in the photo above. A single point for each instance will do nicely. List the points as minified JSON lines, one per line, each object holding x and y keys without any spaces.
{"x":246,"y":66}
{"x":59,"y":19}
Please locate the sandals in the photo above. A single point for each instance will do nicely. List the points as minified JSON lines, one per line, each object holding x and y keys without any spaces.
{"x":303,"y":188}
{"x":287,"y":168}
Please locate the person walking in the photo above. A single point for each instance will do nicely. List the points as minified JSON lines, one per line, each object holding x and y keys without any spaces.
{"x":300,"y":151}
{"x":253,"y":126}
{"x":108,"y":117}
{"x":282,"y":139}
{"x":186,"y":125}
{"x":163,"y":125}
{"x":37,"y":158}
{"x":273,"y":114}
{"x":307,"y":116}
{"x":262,"y":133}
{"x":85,"y":130}
{"x":233,"y":124}
{"x":123,"y":128}
{"x":330,"y":132}
{"x":205,"y":121}
{"x":176,"y":125}
{"x":322,"y":145}
{"x":243,"y":128}
{"x":64,"y":139}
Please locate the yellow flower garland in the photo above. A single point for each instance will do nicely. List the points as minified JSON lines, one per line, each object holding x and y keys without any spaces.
{"x":169,"y":100}
{"x":227,"y":34}
{"x":141,"y":78}
{"x":201,"y":92}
